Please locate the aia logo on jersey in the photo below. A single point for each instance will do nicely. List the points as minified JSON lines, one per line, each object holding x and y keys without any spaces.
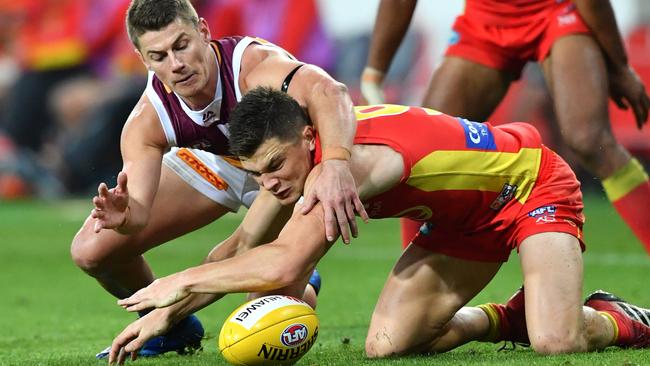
{"x":477,"y":135}
{"x":294,"y":335}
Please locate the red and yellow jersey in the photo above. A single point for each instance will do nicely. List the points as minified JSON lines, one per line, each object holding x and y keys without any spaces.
{"x":457,"y":173}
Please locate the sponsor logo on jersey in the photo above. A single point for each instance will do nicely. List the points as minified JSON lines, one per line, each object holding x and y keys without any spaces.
{"x":544,"y":214}
{"x":544,"y":210}
{"x":209,"y":117}
{"x":273,"y":353}
{"x":477,"y":135}
{"x":506,"y":194}
{"x":294,"y":335}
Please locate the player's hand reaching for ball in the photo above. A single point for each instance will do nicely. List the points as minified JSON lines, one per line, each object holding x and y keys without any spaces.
{"x":136,"y":334}
{"x":111,"y":205}
{"x":160,"y":293}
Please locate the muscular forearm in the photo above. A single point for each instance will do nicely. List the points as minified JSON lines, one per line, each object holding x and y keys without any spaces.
{"x":599,"y":16}
{"x":391,"y":24}
{"x":331,"y":110}
{"x":265,"y":268}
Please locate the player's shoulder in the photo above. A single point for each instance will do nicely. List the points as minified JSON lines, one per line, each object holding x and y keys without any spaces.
{"x":144,"y":121}
{"x":143,"y":110}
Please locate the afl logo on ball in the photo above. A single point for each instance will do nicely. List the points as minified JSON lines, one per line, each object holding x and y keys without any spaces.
{"x":294,"y":335}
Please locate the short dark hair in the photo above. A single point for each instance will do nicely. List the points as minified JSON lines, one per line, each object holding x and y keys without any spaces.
{"x":154,"y":15}
{"x":262,"y":114}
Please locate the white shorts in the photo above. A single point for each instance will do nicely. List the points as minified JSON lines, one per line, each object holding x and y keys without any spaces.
{"x":214,"y":176}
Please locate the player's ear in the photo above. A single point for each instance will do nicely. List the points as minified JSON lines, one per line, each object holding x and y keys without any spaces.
{"x":309,"y":137}
{"x":204,"y":30}
{"x":141,"y":57}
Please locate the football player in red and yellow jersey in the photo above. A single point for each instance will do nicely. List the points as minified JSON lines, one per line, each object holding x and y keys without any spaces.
{"x":579,"y":48}
{"x":479,"y":192}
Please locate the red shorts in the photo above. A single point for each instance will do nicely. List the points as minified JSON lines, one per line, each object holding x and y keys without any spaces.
{"x":509,"y":47}
{"x":554,"y":205}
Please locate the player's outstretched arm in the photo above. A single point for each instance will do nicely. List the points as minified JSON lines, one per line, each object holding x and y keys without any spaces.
{"x":392,"y":22}
{"x":626,"y":88}
{"x":262,"y":224}
{"x":125,"y":208}
{"x":284,"y":262}
{"x":330,"y":108}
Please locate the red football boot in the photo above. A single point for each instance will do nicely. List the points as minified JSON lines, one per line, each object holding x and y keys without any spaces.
{"x":632,"y":321}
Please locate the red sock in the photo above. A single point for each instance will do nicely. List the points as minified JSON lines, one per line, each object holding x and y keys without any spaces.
{"x":629,"y":191}
{"x":507,"y":322}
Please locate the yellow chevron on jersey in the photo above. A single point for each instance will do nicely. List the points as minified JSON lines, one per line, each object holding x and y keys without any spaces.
{"x":477,"y":170}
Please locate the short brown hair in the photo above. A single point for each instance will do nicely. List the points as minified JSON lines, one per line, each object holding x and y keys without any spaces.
{"x":262,"y":114}
{"x":154,"y":15}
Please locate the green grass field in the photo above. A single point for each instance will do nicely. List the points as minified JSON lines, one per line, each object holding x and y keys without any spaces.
{"x":53,"y":314}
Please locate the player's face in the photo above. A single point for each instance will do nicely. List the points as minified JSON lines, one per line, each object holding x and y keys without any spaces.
{"x":282,"y":167}
{"x":181,"y":57}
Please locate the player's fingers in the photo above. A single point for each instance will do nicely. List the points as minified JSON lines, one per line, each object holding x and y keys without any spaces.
{"x":97,"y":214}
{"x":349,"y":210}
{"x":98,"y":202}
{"x":342,"y":221}
{"x":121,"y":182}
{"x":131,"y":300}
{"x":308,"y":203}
{"x":137,"y":307}
{"x":121,"y":358}
{"x":98,"y":226}
{"x":330,"y":223}
{"x":358,"y":206}
{"x":102,"y":190}
{"x":135,"y":344}
{"x":118,"y":344}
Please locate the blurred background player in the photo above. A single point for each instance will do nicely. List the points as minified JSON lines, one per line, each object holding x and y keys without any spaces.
{"x":193,"y":85}
{"x":583,"y":60}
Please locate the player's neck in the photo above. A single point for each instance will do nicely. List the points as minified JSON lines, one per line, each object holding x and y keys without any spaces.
{"x":206,"y":95}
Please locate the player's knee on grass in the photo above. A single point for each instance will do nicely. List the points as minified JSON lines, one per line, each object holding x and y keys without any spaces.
{"x":385,"y":343}
{"x":557,"y":341}
{"x":386,"y":340}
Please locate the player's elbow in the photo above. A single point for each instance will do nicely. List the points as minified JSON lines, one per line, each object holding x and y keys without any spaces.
{"x":284,"y":274}
{"x":331,"y":88}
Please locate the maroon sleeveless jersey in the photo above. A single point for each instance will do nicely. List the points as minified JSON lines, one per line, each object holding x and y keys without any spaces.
{"x":206,"y":129}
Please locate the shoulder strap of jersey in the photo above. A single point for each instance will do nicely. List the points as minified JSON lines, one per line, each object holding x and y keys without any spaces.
{"x":287,"y":80}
